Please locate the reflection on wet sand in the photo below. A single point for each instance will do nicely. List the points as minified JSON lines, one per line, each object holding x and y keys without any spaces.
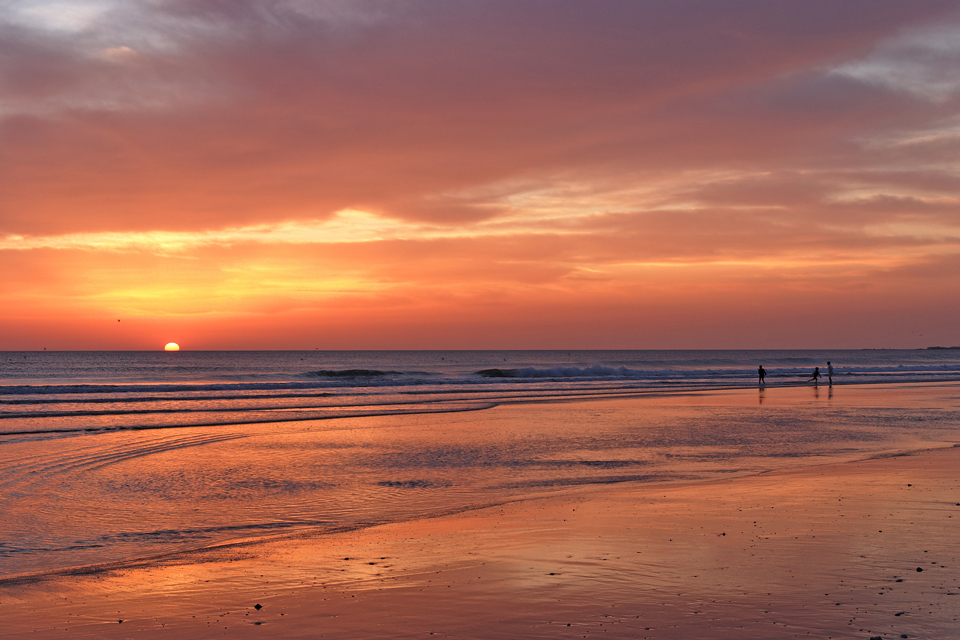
{"x":846,"y":550}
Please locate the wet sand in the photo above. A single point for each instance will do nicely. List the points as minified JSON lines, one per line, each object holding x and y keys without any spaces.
{"x":851,"y":550}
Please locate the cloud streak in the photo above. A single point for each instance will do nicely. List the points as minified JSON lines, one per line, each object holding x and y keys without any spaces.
{"x":488,"y":159}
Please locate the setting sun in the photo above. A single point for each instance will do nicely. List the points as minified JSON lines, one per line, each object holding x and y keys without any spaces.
{"x":172,"y":346}
{"x":596,"y":183}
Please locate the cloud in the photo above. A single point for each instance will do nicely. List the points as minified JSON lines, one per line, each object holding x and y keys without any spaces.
{"x":57,"y":15}
{"x":924,"y":62}
{"x":249,"y":111}
{"x":272,"y":154}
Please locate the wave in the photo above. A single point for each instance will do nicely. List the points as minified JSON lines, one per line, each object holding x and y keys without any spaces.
{"x":41,"y":424}
{"x":353,"y":373}
{"x":356,"y":391}
{"x":139,"y":398}
{"x":77,"y":389}
{"x":600,"y":371}
{"x":336,"y":380}
{"x":596,"y":371}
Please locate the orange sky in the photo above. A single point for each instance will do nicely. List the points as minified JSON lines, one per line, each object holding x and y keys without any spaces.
{"x":351,"y":174}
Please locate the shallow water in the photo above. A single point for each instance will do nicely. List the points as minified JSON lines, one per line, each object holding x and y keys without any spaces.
{"x":43,"y":392}
{"x":76,"y":498}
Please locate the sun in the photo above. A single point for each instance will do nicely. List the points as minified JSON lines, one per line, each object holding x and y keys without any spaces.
{"x":172,"y":346}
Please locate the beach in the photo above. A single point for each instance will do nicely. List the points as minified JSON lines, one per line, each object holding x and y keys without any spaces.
{"x":857,"y":544}
{"x":537,"y":319}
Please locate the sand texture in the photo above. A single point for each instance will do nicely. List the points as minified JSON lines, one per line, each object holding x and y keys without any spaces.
{"x":854,"y":550}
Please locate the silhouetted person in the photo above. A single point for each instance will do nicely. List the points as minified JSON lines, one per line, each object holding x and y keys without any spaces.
{"x":761,"y":374}
{"x":829,"y":373}
{"x":816,"y":375}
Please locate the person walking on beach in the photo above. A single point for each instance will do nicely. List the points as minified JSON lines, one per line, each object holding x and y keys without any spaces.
{"x":816,"y":375}
{"x":761,"y":374}
{"x":829,"y":373}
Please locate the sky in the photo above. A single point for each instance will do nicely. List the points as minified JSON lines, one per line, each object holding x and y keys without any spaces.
{"x":474,"y":174}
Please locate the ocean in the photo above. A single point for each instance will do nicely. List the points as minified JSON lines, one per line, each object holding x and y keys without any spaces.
{"x":107,"y":457}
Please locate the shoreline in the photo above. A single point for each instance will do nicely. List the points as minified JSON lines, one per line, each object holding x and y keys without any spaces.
{"x":196,"y":555}
{"x":779,"y":553}
{"x":919,"y":395}
{"x":484,"y":404}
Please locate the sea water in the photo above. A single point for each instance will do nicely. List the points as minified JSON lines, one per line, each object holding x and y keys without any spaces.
{"x":108,"y":456}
